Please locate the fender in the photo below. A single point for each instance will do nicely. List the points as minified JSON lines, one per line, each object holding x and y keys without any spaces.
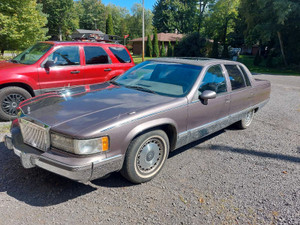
{"x":21,"y":79}
{"x":114,"y":73}
{"x":147,"y":126}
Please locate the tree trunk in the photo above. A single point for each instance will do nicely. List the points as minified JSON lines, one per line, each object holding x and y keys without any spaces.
{"x":2,"y":52}
{"x":60,"y":34}
{"x":281,"y":48}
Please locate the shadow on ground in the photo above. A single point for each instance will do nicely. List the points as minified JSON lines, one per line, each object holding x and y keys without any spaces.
{"x":38,"y":187}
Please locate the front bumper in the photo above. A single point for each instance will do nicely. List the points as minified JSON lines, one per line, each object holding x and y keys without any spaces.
{"x":78,"y":168}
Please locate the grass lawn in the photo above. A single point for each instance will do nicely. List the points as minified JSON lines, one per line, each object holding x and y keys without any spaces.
{"x":138,"y":59}
{"x":248,"y":61}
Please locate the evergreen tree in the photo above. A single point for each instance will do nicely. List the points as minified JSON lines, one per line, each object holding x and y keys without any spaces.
{"x":149,"y":46}
{"x":169,"y":49}
{"x":163,"y":50}
{"x":155,"y":45}
{"x":192,"y":45}
{"x":109,"y":25}
{"x":62,"y":18}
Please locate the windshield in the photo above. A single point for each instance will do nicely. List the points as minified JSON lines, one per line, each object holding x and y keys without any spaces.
{"x":32,"y":54}
{"x":170,"y":79}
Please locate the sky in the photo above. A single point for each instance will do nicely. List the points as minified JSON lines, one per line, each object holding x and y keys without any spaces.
{"x":129,"y":3}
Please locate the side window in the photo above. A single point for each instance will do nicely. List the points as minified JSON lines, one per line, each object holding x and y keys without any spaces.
{"x":65,"y":56}
{"x":214,"y":80}
{"x":121,"y":54}
{"x":236,"y":78}
{"x":248,"y":83}
{"x":95,"y":55}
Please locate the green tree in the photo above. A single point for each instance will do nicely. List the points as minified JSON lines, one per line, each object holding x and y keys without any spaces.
{"x":92,"y":14}
{"x":162,"y":50}
{"x":21,"y":24}
{"x":192,"y":45}
{"x":134,"y":22}
{"x":274,"y":23}
{"x":109,"y":25}
{"x":149,"y":47}
{"x":170,"y":15}
{"x":169,"y":54}
{"x":221,"y":21}
{"x":155,"y":45}
{"x":119,"y":15}
{"x":62,"y":18}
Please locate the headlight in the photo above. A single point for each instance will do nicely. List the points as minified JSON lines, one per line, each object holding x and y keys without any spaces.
{"x":80,"y":147}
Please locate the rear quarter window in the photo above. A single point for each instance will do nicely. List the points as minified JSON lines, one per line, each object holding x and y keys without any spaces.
{"x":121,"y":54}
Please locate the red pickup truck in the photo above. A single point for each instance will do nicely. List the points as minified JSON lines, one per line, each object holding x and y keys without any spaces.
{"x":51,"y":66}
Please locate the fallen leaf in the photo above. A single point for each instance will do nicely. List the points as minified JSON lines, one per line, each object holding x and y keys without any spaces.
{"x":182,"y":199}
{"x":274,"y":213}
{"x":201,"y":200}
{"x":285,"y":172}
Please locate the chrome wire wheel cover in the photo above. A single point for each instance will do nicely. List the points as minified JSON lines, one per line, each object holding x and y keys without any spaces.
{"x":150,"y":156}
{"x":11,"y":102}
{"x":249,"y":118}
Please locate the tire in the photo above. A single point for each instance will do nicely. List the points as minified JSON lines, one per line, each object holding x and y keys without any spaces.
{"x":246,"y":122}
{"x":10,"y":97}
{"x":145,"y":156}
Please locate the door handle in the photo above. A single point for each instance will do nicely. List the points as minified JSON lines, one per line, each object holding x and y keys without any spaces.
{"x":107,"y":70}
{"x":75,"y":72}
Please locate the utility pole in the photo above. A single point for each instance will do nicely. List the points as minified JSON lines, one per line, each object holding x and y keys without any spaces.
{"x":143,"y":53}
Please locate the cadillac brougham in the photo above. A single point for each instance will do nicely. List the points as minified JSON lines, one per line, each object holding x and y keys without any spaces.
{"x":132,"y":123}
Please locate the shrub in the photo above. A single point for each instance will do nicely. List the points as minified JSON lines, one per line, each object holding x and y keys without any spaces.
{"x":193,"y":45}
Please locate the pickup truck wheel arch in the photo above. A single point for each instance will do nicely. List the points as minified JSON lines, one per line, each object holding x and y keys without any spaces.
{"x":10,"y":97}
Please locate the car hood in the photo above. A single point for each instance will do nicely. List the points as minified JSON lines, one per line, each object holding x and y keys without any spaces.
{"x":9,"y":65}
{"x":72,"y":111}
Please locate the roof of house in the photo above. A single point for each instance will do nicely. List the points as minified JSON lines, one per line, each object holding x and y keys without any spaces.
{"x":163,"y":37}
{"x":82,"y":31}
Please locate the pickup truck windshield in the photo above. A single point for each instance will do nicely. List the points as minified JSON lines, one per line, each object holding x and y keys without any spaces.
{"x":32,"y":54}
{"x":169,"y":79}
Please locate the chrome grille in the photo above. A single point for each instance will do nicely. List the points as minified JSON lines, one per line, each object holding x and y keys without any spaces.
{"x":35,"y":135}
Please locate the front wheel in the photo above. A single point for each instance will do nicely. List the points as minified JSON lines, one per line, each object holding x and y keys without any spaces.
{"x":246,"y":122}
{"x":146,"y":156}
{"x":10,"y":98}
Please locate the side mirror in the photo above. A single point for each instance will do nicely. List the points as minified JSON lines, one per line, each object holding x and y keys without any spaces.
{"x":207,"y":95}
{"x":48,"y":64}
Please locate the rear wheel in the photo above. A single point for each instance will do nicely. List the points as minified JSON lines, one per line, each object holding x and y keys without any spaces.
{"x":10,"y":98}
{"x":246,"y":122}
{"x":146,"y":156}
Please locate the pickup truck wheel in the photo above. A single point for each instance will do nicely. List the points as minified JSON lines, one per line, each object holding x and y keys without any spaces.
{"x":245,"y":123}
{"x":146,"y":156}
{"x":10,"y":98}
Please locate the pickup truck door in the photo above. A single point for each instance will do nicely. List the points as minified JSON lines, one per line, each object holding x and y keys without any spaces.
{"x":66,"y":69}
{"x":241,"y":91}
{"x":204,"y":119}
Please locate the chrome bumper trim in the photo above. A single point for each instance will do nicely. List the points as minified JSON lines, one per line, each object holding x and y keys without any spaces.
{"x":80,"y":173}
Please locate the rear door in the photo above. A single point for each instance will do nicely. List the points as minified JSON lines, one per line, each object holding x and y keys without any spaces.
{"x":241,"y":91}
{"x":66,"y":69}
{"x":98,"y":65}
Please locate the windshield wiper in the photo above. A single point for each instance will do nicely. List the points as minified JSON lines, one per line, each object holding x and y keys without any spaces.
{"x":114,"y":82}
{"x":140,"y":88}
{"x":13,"y":61}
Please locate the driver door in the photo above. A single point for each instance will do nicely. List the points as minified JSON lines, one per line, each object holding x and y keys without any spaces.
{"x":203,"y":119}
{"x":66,"y":69}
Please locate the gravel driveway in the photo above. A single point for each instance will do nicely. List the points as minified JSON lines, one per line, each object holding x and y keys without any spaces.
{"x":232,"y":177}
